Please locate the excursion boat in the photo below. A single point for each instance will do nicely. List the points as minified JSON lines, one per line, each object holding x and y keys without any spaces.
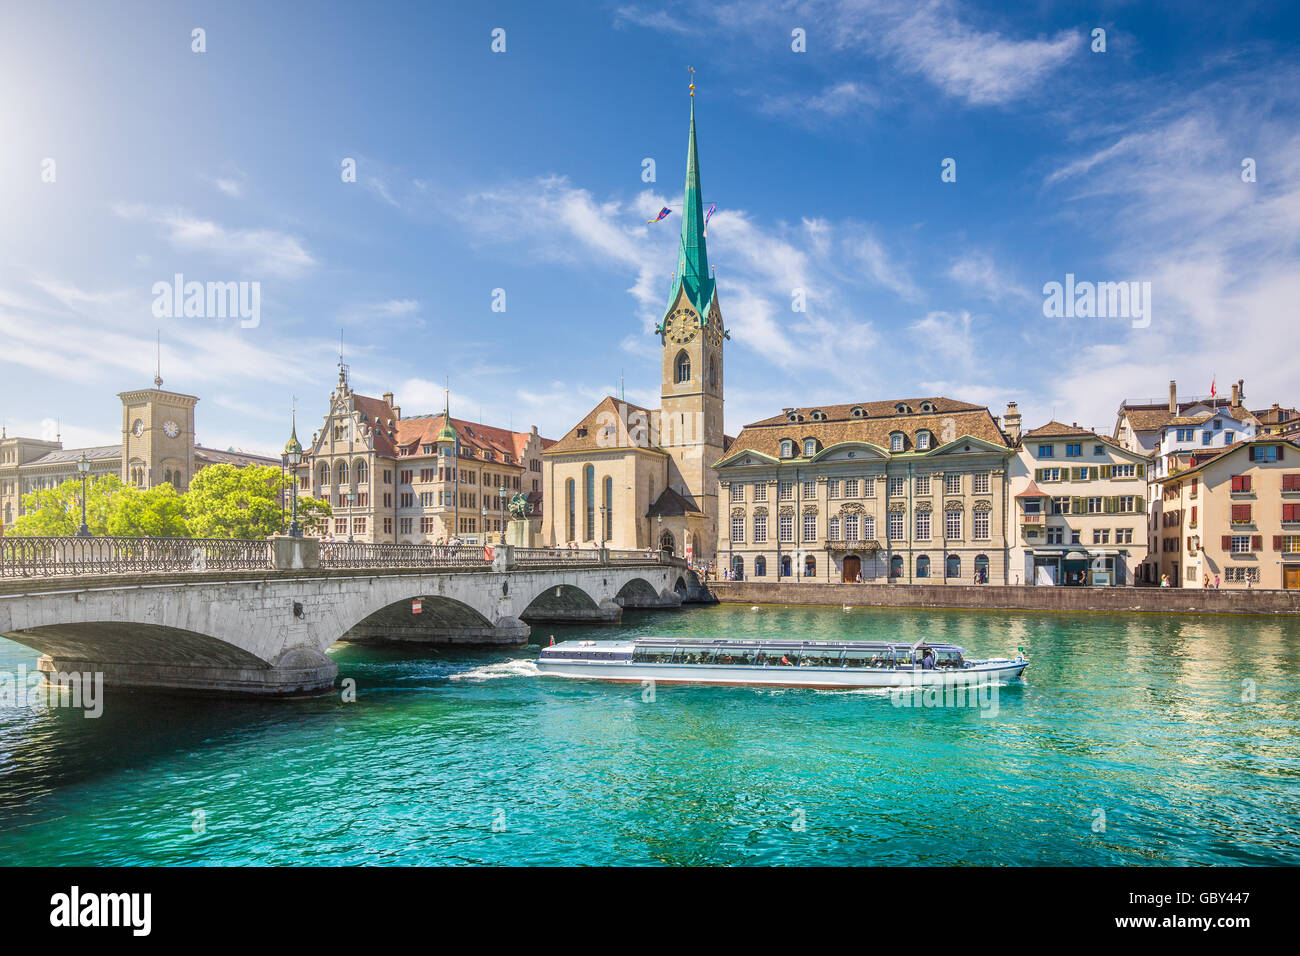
{"x":822,"y":664}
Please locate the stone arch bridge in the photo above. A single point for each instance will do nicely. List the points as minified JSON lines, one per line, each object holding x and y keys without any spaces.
{"x":189,"y":626}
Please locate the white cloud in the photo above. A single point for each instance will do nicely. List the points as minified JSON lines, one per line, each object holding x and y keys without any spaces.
{"x":259,"y":251}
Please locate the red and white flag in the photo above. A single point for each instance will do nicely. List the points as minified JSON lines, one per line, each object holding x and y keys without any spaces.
{"x":1213,"y":392}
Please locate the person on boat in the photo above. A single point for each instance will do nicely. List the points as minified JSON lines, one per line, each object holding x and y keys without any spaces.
{"x":927,"y":660}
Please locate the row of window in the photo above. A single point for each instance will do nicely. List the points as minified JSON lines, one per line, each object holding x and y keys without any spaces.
{"x":1093,"y":505}
{"x":861,"y":527}
{"x":922,"y":440}
{"x":952,"y":566}
{"x":1099,"y":535}
{"x":1090,"y":473}
{"x":606,"y":508}
{"x":840,"y":488}
{"x":1072,"y":450}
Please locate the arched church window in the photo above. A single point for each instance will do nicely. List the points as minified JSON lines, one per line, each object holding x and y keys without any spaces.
{"x":341,"y":473}
{"x":324,"y":473}
{"x":589,"y":493}
{"x":683,"y":366}
{"x":570,"y":508}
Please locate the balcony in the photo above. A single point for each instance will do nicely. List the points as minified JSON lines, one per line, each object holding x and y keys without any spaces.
{"x":1033,"y":521}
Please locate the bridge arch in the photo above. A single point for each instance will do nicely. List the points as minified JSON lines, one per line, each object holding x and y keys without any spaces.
{"x":567,"y":602}
{"x":422,"y":617}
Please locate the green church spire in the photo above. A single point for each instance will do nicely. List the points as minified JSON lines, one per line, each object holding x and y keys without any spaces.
{"x":692,"y":257}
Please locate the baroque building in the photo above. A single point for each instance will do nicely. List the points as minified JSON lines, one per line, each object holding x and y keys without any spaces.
{"x":900,"y":491}
{"x":158,"y":447}
{"x":638,"y":478}
{"x":422,"y":479}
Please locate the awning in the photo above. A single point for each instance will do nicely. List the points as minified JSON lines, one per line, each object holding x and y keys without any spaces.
{"x":1076,"y":556}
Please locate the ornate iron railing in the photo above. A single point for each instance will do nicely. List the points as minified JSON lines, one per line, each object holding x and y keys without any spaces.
{"x":39,"y":557}
{"x":541,"y":557}
{"x":22,"y":557}
{"x":355,"y":554}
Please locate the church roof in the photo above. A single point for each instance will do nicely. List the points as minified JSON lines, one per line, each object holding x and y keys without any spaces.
{"x":240,"y":459}
{"x":606,"y":426}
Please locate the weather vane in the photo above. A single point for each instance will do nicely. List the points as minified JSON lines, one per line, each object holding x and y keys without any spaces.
{"x":692,"y":87}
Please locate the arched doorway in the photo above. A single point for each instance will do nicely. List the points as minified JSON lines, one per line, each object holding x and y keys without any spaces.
{"x":981,"y":569}
{"x":896,"y":566}
{"x":760,"y":567}
{"x":953,"y":566}
{"x":852,"y":568}
{"x":785,"y":566}
{"x":737,"y":567}
{"x":810,"y":567}
{"x":923,"y":566}
{"x":667,"y":542}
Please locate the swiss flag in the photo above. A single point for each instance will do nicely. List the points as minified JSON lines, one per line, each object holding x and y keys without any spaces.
{"x":1213,"y":392}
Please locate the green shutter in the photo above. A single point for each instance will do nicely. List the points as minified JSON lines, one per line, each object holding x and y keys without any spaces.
{"x":1142,"y":470}
{"x":1038,"y":474}
{"x":1076,"y":506}
{"x":1106,"y":471}
{"x":1110,"y":505}
{"x":1140,"y":503}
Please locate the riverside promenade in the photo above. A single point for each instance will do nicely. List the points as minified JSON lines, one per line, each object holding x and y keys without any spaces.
{"x":994,"y":597}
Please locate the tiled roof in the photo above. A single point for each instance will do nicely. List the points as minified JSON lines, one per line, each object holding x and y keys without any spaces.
{"x":67,"y":455}
{"x":413,"y":432}
{"x":241,"y":459}
{"x":1205,"y":459}
{"x":952,"y":418}
{"x":380,"y":418}
{"x":888,"y":409}
{"x":1146,"y":418}
{"x":593,"y":432}
{"x":1033,"y":491}
{"x":1054,"y":429}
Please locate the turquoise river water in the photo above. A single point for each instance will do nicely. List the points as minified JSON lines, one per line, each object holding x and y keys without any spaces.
{"x":1133,"y":739}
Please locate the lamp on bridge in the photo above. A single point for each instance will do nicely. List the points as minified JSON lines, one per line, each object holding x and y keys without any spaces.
{"x":293,"y":455}
{"x":83,"y":469}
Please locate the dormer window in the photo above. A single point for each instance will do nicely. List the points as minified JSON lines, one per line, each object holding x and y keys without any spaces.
{"x":922,"y":441}
{"x":809,"y":447}
{"x":787,"y":448}
{"x":927,"y":406}
{"x":817,"y":415}
{"x":902,"y":409}
{"x":794,"y":417}
{"x":857,"y":411}
{"x":896,"y":441}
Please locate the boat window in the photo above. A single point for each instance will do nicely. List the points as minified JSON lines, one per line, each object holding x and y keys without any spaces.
{"x":821,"y":657}
{"x":867,"y":657}
{"x":778,"y":657}
{"x":948,"y":659}
{"x":653,"y":655}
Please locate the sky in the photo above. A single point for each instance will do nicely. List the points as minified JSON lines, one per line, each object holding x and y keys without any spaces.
{"x":495,"y":241}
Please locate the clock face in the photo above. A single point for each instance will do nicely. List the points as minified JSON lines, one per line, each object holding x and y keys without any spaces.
{"x":138,"y":428}
{"x":171,"y":429}
{"x":681,"y":325}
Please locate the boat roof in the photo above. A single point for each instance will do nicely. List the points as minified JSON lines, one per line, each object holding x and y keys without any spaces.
{"x":757,"y":643}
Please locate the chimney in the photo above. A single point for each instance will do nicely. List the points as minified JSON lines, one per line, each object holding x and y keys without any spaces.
{"x":1236,"y":395}
{"x":388,"y":398}
{"x":1012,"y":419}
{"x":1173,"y":397}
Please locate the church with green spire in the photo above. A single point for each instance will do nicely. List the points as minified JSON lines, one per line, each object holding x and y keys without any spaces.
{"x":633,"y":477}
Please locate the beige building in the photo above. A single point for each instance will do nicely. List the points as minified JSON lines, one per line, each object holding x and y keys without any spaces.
{"x":1236,"y":516}
{"x":901,"y":491}
{"x":633,"y":477}
{"x":1080,"y":507}
{"x":158,"y":447}
{"x":423,"y":479}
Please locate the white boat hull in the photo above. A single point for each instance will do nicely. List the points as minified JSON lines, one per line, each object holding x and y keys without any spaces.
{"x":986,"y":672}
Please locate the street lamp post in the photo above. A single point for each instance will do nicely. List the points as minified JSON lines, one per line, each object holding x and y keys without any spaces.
{"x":659,"y":541}
{"x":603,"y":510}
{"x":352,"y":504}
{"x":83,"y":468}
{"x":293,"y":454}
{"x":485,"y":521}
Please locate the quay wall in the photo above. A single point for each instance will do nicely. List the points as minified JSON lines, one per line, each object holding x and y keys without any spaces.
{"x":1013,"y":598}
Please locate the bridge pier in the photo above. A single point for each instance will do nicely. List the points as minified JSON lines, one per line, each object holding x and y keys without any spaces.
{"x":299,"y":671}
{"x":508,"y":631}
{"x":607,"y":612}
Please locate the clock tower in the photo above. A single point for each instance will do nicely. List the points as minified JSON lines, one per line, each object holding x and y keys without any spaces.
{"x":692,"y":336}
{"x":157,"y":437}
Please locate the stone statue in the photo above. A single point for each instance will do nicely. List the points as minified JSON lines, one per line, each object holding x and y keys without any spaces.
{"x":520,"y":507}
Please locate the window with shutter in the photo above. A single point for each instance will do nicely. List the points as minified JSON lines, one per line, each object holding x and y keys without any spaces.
{"x":1277,"y":542}
{"x":1226,"y":542}
{"x":1257,"y":542}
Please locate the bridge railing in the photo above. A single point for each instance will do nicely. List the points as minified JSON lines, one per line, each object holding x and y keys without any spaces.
{"x":541,"y":557}
{"x":22,"y":557}
{"x":356,"y":554}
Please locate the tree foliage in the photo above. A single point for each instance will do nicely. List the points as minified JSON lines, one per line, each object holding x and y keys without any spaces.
{"x":222,"y":502}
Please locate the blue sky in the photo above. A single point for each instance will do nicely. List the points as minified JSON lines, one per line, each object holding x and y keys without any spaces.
{"x":522,"y":171}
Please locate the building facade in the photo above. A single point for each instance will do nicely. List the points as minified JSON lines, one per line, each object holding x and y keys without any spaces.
{"x":632,"y":477}
{"x":1080,"y":513}
{"x":902,"y":491}
{"x":424,"y":479}
{"x":1236,"y":517}
{"x":158,"y":447}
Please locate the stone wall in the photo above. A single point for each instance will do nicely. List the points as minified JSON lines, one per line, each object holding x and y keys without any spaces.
{"x":1003,"y":597}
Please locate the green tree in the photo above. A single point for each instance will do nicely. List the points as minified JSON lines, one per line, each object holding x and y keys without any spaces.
{"x":228,"y":502}
{"x":153,"y":513}
{"x":57,"y":511}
